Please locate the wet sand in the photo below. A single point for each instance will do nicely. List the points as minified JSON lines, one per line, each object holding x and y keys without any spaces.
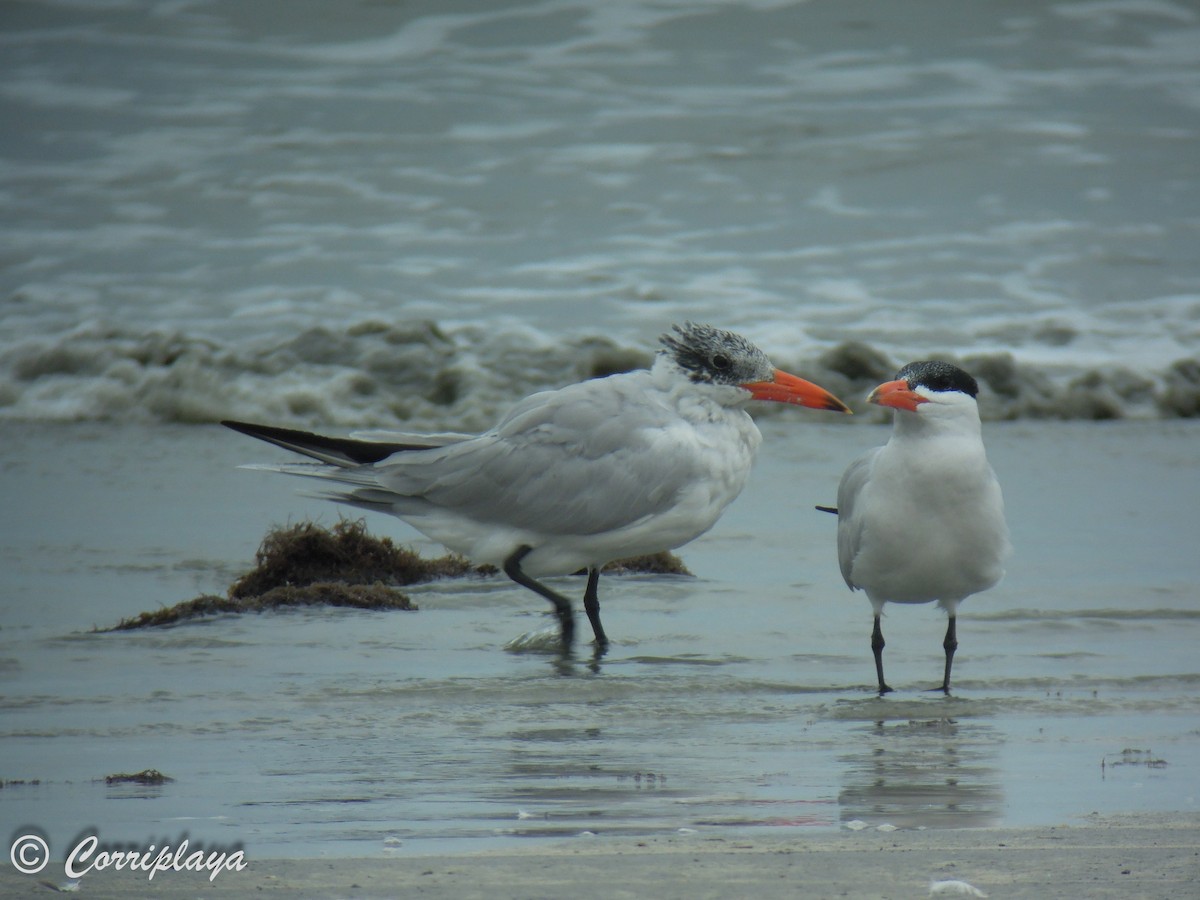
{"x":372,"y":748}
{"x":1145,"y":856}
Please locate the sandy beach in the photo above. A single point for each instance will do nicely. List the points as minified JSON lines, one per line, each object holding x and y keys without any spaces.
{"x":1145,"y":856}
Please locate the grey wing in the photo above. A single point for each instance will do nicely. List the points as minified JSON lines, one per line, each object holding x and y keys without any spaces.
{"x":850,"y":519}
{"x":580,"y":460}
{"x":413,"y":440}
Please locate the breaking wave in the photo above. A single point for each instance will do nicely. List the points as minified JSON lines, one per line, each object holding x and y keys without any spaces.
{"x":424,"y":374}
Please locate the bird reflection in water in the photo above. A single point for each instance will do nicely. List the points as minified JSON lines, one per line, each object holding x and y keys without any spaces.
{"x":922,"y":773}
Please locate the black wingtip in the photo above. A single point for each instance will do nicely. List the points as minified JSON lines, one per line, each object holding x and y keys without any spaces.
{"x":828,"y":509}
{"x":269,"y":433}
{"x":333,"y":450}
{"x":243,"y":427}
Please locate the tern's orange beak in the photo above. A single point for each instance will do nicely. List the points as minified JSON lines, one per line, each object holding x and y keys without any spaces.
{"x":787,"y":388}
{"x":898,"y":395}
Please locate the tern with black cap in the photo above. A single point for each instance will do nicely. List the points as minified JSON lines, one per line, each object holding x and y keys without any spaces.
{"x":574,"y":478}
{"x":921,"y":519}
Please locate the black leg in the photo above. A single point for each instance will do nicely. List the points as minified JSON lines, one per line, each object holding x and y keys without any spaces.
{"x":591,"y":605}
{"x":562,"y":606}
{"x":950,"y":644}
{"x":877,"y":645}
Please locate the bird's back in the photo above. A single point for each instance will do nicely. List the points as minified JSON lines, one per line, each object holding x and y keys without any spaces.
{"x":609,"y":466}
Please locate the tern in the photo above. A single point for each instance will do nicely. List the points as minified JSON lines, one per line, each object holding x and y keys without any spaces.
{"x":921,"y":518}
{"x":574,"y":478}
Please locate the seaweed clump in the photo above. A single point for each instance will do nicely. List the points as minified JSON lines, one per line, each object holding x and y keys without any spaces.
{"x":145,"y":777}
{"x":319,"y":593}
{"x":306,"y":565}
{"x":665,"y":563}
{"x":307,"y":554}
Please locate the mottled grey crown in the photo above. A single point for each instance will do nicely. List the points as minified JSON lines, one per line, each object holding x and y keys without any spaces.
{"x":715,"y":356}
{"x":938,"y":376}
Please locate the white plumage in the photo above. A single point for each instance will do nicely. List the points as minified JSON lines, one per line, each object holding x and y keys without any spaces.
{"x":921,"y":519}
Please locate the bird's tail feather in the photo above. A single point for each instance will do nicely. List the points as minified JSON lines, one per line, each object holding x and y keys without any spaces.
{"x":374,"y":500}
{"x":362,"y":491}
{"x":361,"y":476}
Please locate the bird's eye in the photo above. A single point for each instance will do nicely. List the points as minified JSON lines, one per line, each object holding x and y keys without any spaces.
{"x":721,"y":362}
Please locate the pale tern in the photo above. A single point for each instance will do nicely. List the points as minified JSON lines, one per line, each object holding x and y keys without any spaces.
{"x":574,"y":478}
{"x":922,"y":517}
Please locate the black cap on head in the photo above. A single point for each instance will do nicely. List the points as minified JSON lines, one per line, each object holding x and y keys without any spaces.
{"x":938,"y":376}
{"x":715,"y":356}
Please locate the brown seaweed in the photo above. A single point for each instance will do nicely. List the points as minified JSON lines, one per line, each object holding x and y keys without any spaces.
{"x":305,"y":565}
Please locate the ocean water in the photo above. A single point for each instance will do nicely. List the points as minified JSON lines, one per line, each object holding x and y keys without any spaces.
{"x":379,"y":213}
{"x":736,"y":700}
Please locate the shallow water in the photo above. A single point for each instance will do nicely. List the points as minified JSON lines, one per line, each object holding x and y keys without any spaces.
{"x":737,"y":699}
{"x":211,"y":212}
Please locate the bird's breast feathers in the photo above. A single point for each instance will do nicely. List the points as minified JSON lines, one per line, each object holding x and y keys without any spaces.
{"x":920,"y":528}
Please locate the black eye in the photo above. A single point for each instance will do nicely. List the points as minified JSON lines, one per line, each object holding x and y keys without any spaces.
{"x":721,"y":362}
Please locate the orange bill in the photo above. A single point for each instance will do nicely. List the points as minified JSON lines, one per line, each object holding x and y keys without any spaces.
{"x":898,"y":395}
{"x":786,"y":388}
